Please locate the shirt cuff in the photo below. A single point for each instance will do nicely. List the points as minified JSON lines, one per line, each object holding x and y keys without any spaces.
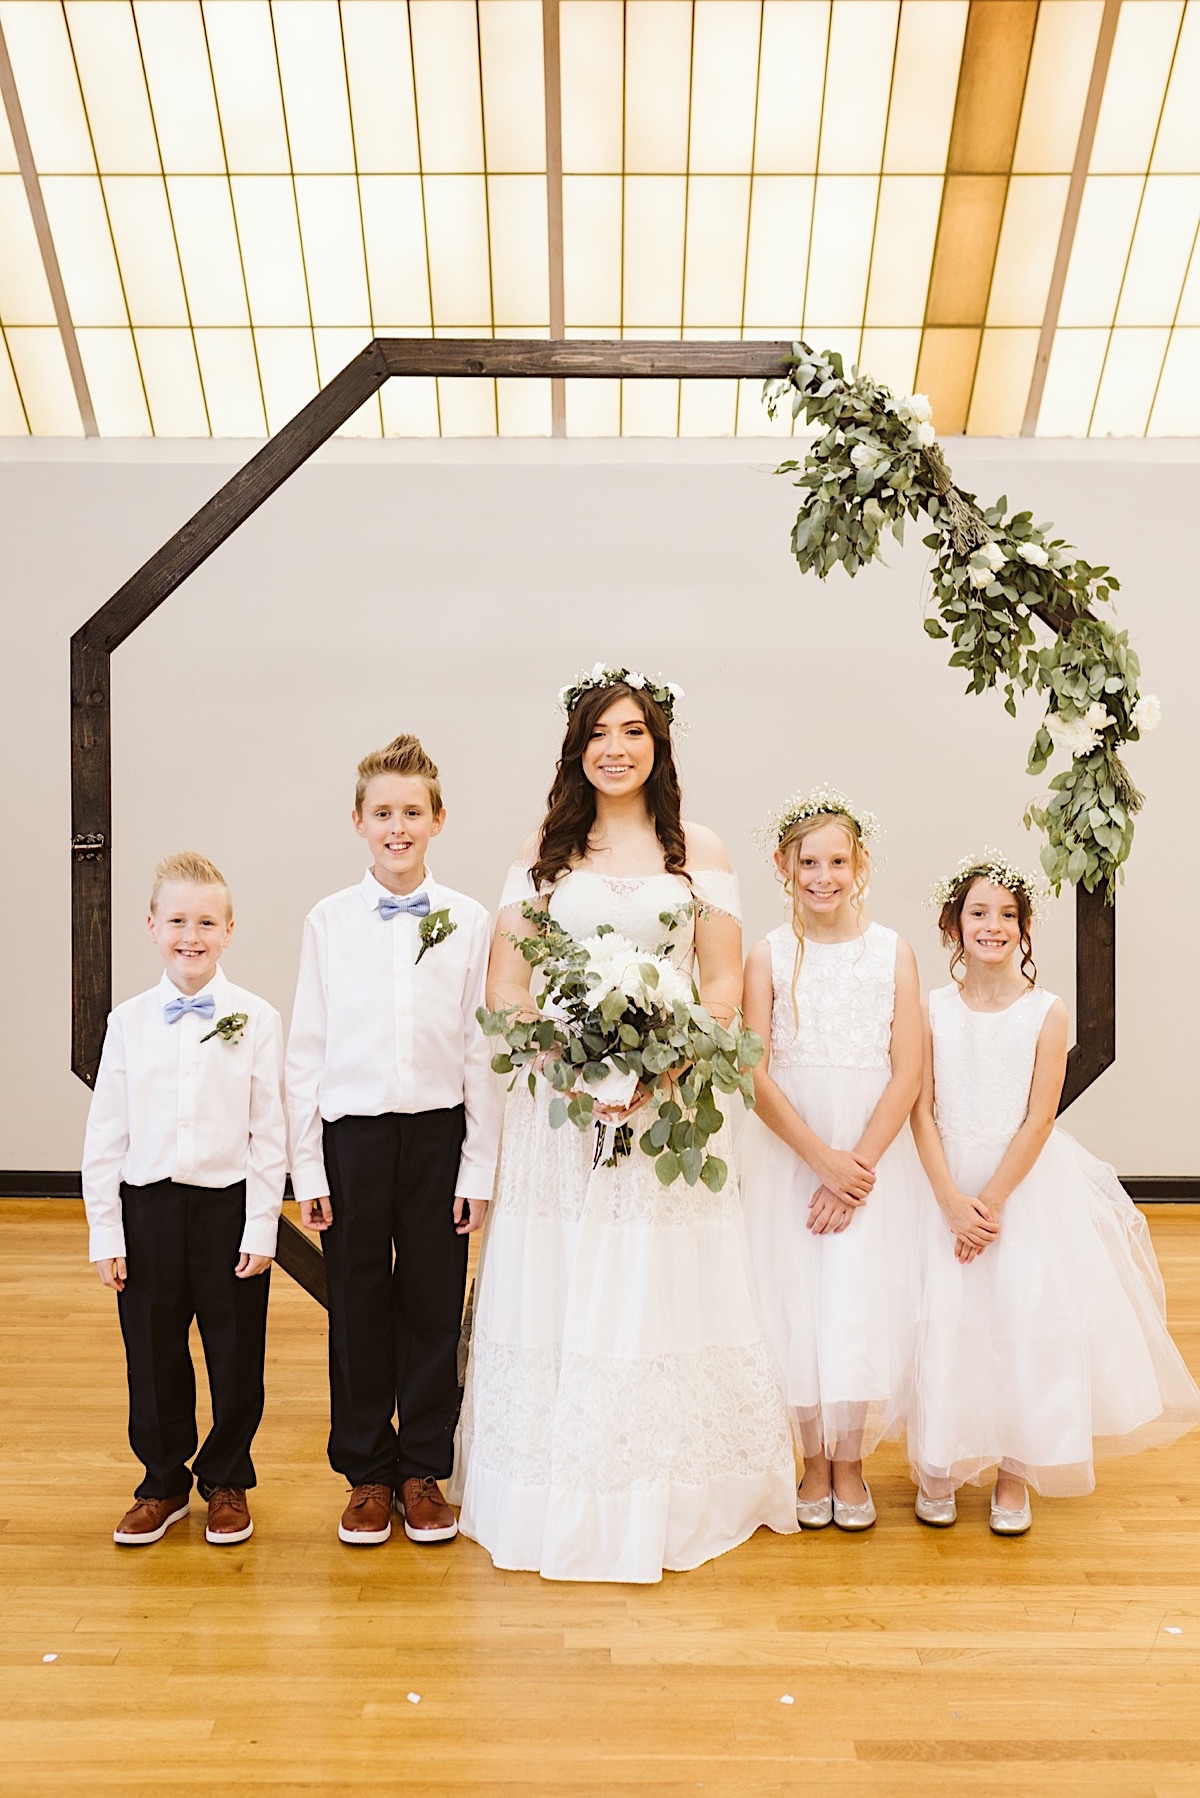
{"x":475,"y":1180}
{"x":106,"y":1242}
{"x":310,"y":1181}
{"x":260,"y":1236}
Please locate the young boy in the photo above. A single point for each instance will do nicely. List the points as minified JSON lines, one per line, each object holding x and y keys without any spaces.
{"x":183,"y":1170}
{"x":394,"y":1119}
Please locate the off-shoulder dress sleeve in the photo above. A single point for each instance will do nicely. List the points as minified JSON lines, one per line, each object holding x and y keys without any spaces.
{"x":716,"y":889}
{"x":518,"y":887}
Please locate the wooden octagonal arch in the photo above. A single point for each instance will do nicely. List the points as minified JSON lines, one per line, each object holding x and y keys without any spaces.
{"x":93,"y":644}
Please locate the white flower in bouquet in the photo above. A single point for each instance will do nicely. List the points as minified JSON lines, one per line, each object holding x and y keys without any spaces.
{"x":986,"y":562}
{"x":1033,"y":553}
{"x":925,"y":435}
{"x":979,"y":575}
{"x":1147,"y":714}
{"x":992,"y":554}
{"x":615,"y":965}
{"x":916,"y":408}
{"x":866,"y":455}
{"x":1079,"y":736}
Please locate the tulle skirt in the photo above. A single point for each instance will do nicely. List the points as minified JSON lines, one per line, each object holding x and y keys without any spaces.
{"x":838,"y":1311}
{"x":621,"y":1412}
{"x":1052,"y":1346}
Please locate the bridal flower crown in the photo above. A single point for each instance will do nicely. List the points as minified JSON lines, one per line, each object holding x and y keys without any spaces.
{"x":663,"y":692}
{"x":993,"y":866}
{"x":820,"y":802}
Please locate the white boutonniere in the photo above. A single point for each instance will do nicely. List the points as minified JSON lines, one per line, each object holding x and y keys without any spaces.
{"x":230,"y":1028}
{"x":434,"y":929}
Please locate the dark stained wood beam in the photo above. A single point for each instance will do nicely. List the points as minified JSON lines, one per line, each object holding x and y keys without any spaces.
{"x":601,"y":359}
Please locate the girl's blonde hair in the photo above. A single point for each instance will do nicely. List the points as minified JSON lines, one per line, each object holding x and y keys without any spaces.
{"x":860,"y":861}
{"x":189,"y":869}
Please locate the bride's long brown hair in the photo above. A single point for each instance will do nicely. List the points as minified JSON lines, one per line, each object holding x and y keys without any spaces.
{"x":571,"y":801}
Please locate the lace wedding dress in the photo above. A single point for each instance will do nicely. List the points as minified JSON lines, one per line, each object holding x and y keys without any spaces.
{"x":1052,"y":1346}
{"x":838,"y":1309}
{"x":621,"y":1413}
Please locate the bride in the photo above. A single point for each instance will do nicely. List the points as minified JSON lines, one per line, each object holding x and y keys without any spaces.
{"x":621,"y":1415}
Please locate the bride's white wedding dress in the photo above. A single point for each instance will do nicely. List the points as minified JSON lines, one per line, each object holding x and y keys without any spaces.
{"x":621,"y":1413}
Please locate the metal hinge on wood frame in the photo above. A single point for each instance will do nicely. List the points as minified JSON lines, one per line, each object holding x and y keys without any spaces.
{"x":88,"y":846}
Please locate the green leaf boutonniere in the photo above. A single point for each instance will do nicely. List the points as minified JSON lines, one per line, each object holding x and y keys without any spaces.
{"x":434,"y":930}
{"x":230,"y":1028}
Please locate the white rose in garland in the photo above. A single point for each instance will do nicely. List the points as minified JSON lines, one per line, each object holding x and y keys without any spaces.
{"x":1147,"y":714}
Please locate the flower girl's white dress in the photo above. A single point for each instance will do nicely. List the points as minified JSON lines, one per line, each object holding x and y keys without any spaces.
{"x":1052,"y":1345}
{"x":621,"y":1413}
{"x":838,"y":1310}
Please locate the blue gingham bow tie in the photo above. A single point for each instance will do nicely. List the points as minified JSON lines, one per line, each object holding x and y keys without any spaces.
{"x":203,"y":1004}
{"x":417,"y":904}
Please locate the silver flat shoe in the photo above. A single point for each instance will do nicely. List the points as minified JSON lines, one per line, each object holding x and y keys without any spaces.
{"x":814,"y":1513}
{"x":1010,"y":1523}
{"x":939,"y":1513}
{"x":854,"y":1517}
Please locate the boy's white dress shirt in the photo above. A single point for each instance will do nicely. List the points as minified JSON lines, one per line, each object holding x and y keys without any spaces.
{"x":168,"y":1106}
{"x":373,"y":1032}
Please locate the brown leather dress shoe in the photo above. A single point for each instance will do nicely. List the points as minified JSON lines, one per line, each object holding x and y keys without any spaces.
{"x":367,"y":1518}
{"x":427,"y":1516}
{"x":229,"y":1517}
{"x":148,"y":1520}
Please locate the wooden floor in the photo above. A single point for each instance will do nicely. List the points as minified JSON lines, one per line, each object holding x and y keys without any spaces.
{"x":918,"y":1662}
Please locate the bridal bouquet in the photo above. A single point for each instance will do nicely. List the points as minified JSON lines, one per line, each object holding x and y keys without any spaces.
{"x":618,"y":1020}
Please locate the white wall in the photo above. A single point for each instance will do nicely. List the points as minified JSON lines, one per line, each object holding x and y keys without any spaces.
{"x":451,"y":588}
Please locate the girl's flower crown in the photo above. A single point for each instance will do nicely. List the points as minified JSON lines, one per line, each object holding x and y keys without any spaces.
{"x":991,"y":865}
{"x":663,"y":692}
{"x":818,"y":803}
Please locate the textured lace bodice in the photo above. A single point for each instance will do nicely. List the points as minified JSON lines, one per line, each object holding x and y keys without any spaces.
{"x":845,"y":996}
{"x":983,"y":1064}
{"x":634,"y":905}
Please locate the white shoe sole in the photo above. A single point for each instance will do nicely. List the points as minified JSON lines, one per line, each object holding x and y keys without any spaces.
{"x":446,"y":1535}
{"x":227,"y":1538}
{"x":363,"y":1538}
{"x":144,"y":1540}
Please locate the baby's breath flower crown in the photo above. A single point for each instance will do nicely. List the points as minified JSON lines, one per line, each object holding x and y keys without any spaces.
{"x":993,"y":866}
{"x":664,"y":692}
{"x":820,"y":802}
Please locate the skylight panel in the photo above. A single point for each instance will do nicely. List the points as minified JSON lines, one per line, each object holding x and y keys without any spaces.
{"x":394,"y":221}
{"x":208,"y":249}
{"x":593,"y":408}
{"x":308,"y":41}
{"x":456,"y":223}
{"x":24,"y":294}
{"x":843,"y":226}
{"x":718,"y":213}
{"x":1126,"y":391}
{"x":379,"y":63}
{"x":520,"y":271}
{"x":592,"y":63}
{"x":524,"y":408}
{"x":75,"y":208}
{"x":287,"y":361}
{"x":649,"y":408}
{"x":1026,"y":252}
{"x":862,"y":47}
{"x":514,"y":92}
{"x":467,"y":407}
{"x":592,"y":211}
{"x":114,"y":89}
{"x":902,"y":256}
{"x":8,"y":166}
{"x":1102,"y":238}
{"x":1177,"y":147}
{"x":1056,"y":85}
{"x":791,"y":90}
{"x":141,"y":228}
{"x":114,"y":382}
{"x":1002,"y":377}
{"x":332,"y":234}
{"x":1137,"y":80}
{"x":724,"y":86}
{"x":1162,"y":243}
{"x":40,"y":366}
{"x":1189,"y":303}
{"x":13,"y":422}
{"x":945,"y":371}
{"x":230,"y":375}
{"x":183,"y":101}
{"x":449,"y":115}
{"x":890,"y":356}
{"x":269,"y":235}
{"x":1177,"y":407}
{"x":654,"y":218}
{"x":1076,"y":359}
{"x":40,"y":52}
{"x":924,"y":86}
{"x":172,"y":380}
{"x":410,"y":405}
{"x":780,"y":224}
{"x":242,"y":47}
{"x":657,"y":86}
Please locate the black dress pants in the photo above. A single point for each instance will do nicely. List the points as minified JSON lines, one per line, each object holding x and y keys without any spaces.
{"x":396,"y":1272}
{"x":181,"y":1246}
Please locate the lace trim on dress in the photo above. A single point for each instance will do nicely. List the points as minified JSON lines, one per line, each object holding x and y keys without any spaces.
{"x":717,"y":889}
{"x":518,"y":887}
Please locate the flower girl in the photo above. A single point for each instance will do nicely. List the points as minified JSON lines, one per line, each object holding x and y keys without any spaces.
{"x":1042,"y":1337}
{"x":831,"y":1178}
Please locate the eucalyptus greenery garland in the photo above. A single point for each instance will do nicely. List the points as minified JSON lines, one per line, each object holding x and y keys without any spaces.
{"x":994,"y":576}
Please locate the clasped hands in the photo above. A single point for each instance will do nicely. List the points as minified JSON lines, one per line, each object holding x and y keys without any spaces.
{"x":846,"y":1182}
{"x":975,"y":1224}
